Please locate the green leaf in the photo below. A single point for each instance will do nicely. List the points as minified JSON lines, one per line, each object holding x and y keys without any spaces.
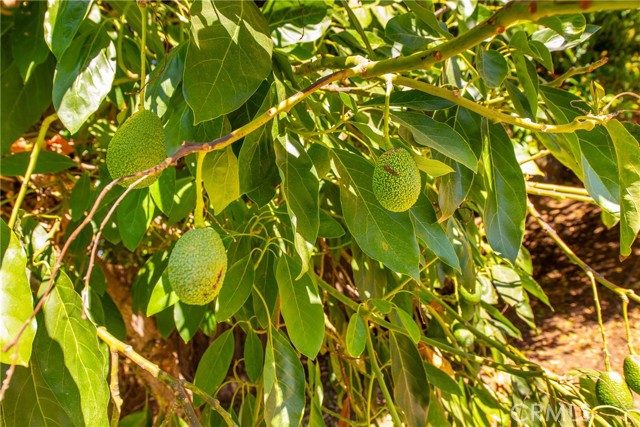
{"x":356,"y":335}
{"x":434,"y":168}
{"x":27,"y":39}
{"x":431,"y":233}
{"x":62,"y":21}
{"x":165,"y":80}
{"x":17,"y":302}
{"x":148,"y":276}
{"x":411,"y":388}
{"x":438,"y":136}
{"x":235,"y":290}
{"x":184,"y":200}
{"x":221,"y":179}
{"x":628,"y":156}
{"x":329,"y":227}
{"x":570,"y":27}
{"x":187,"y":319}
{"x":300,"y":188}
{"x":214,"y":365}
{"x":441,"y":380}
{"x":22,"y":104}
{"x":407,"y":323}
{"x":30,"y":398}
{"x":229,"y":55}
{"x":528,"y":79}
{"x":600,"y":168}
{"x":408,"y":31}
{"x":253,"y":355}
{"x":163,"y":189}
{"x":301,"y":307}
{"x":79,"y":200}
{"x":385,"y":236}
{"x":506,"y":204}
{"x":83,"y":77}
{"x":134,"y":215}
{"x":66,"y":349}
{"x":492,"y":67}
{"x":293,"y":22}
{"x":162,"y":295}
{"x":414,"y":99}
{"x":48,"y":162}
{"x":508,"y":284}
{"x":284,"y":383}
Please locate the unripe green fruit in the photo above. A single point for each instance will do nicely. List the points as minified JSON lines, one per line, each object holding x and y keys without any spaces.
{"x":197,"y":266}
{"x":137,"y":145}
{"x":631,"y":368}
{"x":612,"y":391}
{"x":396,"y":180}
{"x":465,"y":337}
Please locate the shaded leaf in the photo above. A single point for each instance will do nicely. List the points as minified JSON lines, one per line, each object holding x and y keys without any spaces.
{"x":253,"y":355}
{"x":411,"y":388}
{"x":492,"y":67}
{"x":301,"y":307}
{"x":48,"y":162}
{"x":356,"y":335}
{"x":134,"y":215}
{"x":235,"y":290}
{"x":214,"y":365}
{"x":62,"y":21}
{"x":221,"y":178}
{"x":292,"y":22}
{"x":506,"y":204}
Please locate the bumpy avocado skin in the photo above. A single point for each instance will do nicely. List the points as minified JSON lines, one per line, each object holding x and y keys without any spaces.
{"x":611,"y":390}
{"x":139,"y":144}
{"x":197,"y":266}
{"x":631,"y":368}
{"x":396,"y":180}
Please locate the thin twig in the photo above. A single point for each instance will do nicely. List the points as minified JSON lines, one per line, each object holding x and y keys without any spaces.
{"x":603,"y":333}
{"x":574,"y":71}
{"x":618,"y":290}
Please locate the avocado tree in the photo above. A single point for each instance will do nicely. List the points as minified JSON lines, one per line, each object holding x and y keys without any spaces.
{"x":330,"y":195}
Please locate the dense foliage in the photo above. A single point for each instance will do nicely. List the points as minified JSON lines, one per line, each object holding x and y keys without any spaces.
{"x":333,"y":309}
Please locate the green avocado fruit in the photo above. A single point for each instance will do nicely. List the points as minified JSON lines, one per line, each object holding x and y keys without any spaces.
{"x":396,"y":180}
{"x":138,"y":145}
{"x":197,"y":266}
{"x":611,"y":390}
{"x":464,"y":336}
{"x":631,"y":369}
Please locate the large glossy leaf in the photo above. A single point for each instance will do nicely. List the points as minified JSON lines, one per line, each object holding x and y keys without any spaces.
{"x":72,"y":364}
{"x":83,"y":77}
{"x":16,"y":302}
{"x":27,"y":43}
{"x":628,"y":156}
{"x":600,"y":168}
{"x":292,"y":22}
{"x":30,"y":398}
{"x":301,"y":307}
{"x":385,"y":236}
{"x":492,"y":67}
{"x":62,"y":21}
{"x":411,"y":388}
{"x":300,"y":188}
{"x":438,"y":136}
{"x":229,"y":55}
{"x":506,"y":203}
{"x":134,"y":215}
{"x":284,"y":383}
{"x":21,"y":103}
{"x":431,"y":233}
{"x":221,"y":178}
{"x":214,"y":364}
{"x":236,"y":288}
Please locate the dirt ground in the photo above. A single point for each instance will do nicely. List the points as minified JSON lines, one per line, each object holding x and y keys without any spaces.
{"x":568,"y":336}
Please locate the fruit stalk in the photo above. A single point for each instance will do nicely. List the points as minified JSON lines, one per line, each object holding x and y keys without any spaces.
{"x":30,"y":167}
{"x":198,"y":216}
{"x":143,"y":47}
{"x":596,"y":300}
